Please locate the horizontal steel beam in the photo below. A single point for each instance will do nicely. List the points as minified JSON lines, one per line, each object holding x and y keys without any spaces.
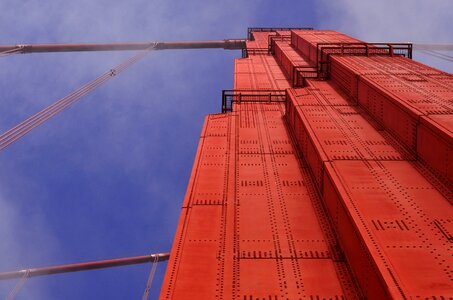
{"x":233,"y":44}
{"x":86,"y":266}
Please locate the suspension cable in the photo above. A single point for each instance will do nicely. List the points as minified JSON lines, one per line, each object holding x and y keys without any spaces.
{"x":438,"y":55}
{"x":14,"y":134}
{"x":442,"y":54}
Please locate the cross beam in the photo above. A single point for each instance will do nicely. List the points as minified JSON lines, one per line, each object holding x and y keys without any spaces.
{"x":230,"y":44}
{"x":86,"y":266}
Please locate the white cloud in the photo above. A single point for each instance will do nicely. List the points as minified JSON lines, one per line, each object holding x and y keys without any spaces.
{"x":392,"y":21}
{"x":25,"y":237}
{"x":138,"y":132}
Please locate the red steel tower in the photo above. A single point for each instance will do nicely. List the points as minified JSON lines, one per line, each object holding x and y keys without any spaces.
{"x":328,"y":175}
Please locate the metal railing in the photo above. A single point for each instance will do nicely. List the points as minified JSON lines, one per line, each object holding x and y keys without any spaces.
{"x":254,"y":51}
{"x":301,"y":73}
{"x":325,"y":50}
{"x":269,"y":50}
{"x":271,"y":39}
{"x":272,"y":29}
{"x":229,"y":97}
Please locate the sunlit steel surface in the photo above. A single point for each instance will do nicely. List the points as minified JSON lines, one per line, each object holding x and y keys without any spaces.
{"x":339,"y":188}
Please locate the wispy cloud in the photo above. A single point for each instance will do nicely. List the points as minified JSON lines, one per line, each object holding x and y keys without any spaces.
{"x":389,"y":20}
{"x":105,"y":178}
{"x":22,"y":229}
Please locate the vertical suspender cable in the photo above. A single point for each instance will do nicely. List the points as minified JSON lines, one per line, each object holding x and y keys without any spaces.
{"x":18,"y":131}
{"x":18,"y":286}
{"x":11,"y":52}
{"x":150,"y":279}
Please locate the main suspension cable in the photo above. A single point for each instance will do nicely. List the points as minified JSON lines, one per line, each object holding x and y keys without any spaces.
{"x":12,"y":135}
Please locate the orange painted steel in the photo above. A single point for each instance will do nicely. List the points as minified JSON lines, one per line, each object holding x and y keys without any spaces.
{"x":412,"y":101}
{"x":342,"y":192}
{"x":376,"y":194}
{"x":289,"y":59}
{"x":306,"y":41}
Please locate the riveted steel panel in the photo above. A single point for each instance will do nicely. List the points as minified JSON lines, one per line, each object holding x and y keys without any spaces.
{"x":346,"y":78}
{"x":307,"y":41}
{"x":407,"y":82}
{"x":197,"y":259}
{"x":303,"y":96}
{"x":327,"y":133}
{"x":402,"y":123}
{"x":346,"y":133}
{"x":435,"y":145}
{"x":288,"y":58}
{"x":253,"y":225}
{"x":329,"y":93}
{"x":268,"y":234}
{"x":244,"y":82}
{"x":379,"y":207}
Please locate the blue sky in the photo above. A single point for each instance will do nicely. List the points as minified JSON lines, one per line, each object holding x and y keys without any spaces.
{"x":106,"y":178}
